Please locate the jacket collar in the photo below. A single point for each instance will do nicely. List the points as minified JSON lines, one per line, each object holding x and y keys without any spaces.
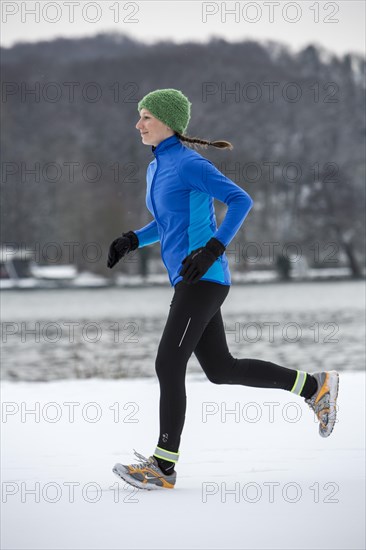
{"x":165,"y":144}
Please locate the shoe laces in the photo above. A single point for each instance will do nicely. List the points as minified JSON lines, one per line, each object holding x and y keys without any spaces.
{"x":320,"y":408}
{"x":143,"y":461}
{"x":311,"y":401}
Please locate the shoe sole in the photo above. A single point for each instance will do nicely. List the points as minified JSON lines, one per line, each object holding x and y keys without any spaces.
{"x":134,"y":482}
{"x":333,"y":394}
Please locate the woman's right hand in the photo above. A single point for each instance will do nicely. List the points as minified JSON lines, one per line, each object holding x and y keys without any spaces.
{"x":122,"y":246}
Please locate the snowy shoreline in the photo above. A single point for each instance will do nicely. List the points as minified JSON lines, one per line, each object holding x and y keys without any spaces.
{"x":253,"y":471}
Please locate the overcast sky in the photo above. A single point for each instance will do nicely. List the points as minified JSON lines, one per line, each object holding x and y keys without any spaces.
{"x":337,"y":26}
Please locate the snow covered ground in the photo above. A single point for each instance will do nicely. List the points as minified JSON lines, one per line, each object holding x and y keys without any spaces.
{"x":258,"y":478}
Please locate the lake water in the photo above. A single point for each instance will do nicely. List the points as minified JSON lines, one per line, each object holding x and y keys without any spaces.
{"x":115,"y":332}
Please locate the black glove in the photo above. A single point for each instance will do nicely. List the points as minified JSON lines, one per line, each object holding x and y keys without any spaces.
{"x":200,"y":260}
{"x":122,"y":246}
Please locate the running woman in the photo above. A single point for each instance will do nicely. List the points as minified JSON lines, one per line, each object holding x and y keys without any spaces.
{"x":181,"y":186}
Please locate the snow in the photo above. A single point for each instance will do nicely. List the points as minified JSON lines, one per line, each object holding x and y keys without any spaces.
{"x":22,"y":283}
{"x":318,"y":484}
{"x":53,"y":271}
{"x":87,"y":279}
{"x":49,"y":277}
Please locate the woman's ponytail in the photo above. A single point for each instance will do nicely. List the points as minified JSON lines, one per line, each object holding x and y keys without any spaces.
{"x":193,"y":141}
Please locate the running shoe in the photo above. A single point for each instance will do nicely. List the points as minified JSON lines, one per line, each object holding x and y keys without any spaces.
{"x":324,"y":400}
{"x":146,"y":474}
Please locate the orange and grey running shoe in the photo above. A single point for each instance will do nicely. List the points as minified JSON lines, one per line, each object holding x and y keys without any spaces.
{"x":324,"y":400}
{"x":146,"y":474}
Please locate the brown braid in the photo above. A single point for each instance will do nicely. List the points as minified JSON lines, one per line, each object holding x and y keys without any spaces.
{"x":194,"y":141}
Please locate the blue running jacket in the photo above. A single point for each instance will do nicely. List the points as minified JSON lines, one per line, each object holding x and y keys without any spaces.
{"x":181,"y":185}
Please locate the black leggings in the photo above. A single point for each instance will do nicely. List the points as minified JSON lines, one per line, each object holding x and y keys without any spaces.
{"x":195,"y":324}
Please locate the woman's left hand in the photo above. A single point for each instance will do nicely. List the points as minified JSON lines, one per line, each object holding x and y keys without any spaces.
{"x":200,"y":260}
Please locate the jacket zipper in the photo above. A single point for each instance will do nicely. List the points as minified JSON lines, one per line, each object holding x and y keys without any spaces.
{"x":156,"y":217}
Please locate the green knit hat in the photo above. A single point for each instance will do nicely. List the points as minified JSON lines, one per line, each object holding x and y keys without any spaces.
{"x":169,"y":106}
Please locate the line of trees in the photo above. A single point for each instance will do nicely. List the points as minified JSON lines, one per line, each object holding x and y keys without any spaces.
{"x":74,"y":169}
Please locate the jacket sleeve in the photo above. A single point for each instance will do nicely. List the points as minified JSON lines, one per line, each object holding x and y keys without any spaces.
{"x":201,"y":174}
{"x":148,"y":234}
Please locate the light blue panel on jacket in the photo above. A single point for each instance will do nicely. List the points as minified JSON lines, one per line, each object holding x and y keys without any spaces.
{"x":201,"y":229}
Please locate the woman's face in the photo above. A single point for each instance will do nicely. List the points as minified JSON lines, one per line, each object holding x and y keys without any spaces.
{"x":152,"y":130}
